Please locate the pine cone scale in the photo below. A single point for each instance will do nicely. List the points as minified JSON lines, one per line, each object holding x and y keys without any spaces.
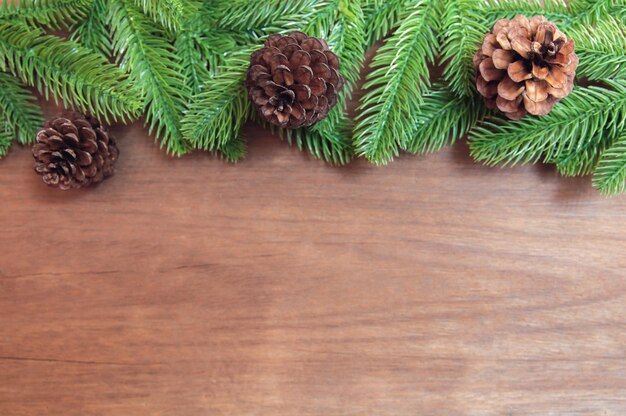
{"x":294,"y":80}
{"x":73,"y":152}
{"x":525,"y":65}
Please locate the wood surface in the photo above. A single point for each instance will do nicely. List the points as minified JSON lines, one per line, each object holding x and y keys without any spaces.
{"x":281,"y":286}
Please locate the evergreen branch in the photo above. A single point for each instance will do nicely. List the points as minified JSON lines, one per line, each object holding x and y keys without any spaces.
{"x":93,"y":32}
{"x":584,"y":116}
{"x":442,"y":119}
{"x":382,"y":18}
{"x":591,"y":12}
{"x":602,"y":50}
{"x":6,"y":140}
{"x":154,"y":70}
{"x":554,"y":10}
{"x":233,"y":150}
{"x":464,"y":28}
{"x":267,"y":16}
{"x":610,"y":175}
{"x":80,"y":78}
{"x":53,"y":13}
{"x":216,"y":115}
{"x":189,"y":47}
{"x":583,"y":159}
{"x":399,"y":77}
{"x":169,"y":13}
{"x":347,"y":41}
{"x":331,"y":147}
{"x":19,"y":109}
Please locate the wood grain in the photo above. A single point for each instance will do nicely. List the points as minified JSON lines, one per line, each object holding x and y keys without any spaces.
{"x":281,"y":286}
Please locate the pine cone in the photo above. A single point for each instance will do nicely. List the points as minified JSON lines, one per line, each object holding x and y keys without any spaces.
{"x":525,"y":66}
{"x":294,"y":80}
{"x":74,"y":151}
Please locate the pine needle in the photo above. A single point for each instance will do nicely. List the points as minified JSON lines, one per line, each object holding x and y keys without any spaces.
{"x":154,"y":70}
{"x":216,"y":115}
{"x":602,"y":50}
{"x":21,"y":115}
{"x":53,"y":13}
{"x":610,"y":174}
{"x":93,"y":32}
{"x":464,"y":27}
{"x":399,"y":76}
{"x":79,"y":77}
{"x":382,"y":17}
{"x":171,"y":14}
{"x":442,"y":119}
{"x":583,"y":117}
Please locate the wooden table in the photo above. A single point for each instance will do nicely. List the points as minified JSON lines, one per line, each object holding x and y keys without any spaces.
{"x":281,"y":286}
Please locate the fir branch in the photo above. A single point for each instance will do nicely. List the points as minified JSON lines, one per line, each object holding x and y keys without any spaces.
{"x":93,"y":32}
{"x":79,"y":77}
{"x":169,"y":13}
{"x":382,"y":18}
{"x":22,"y":116}
{"x":331,"y":147}
{"x":347,"y":41}
{"x":53,"y":13}
{"x":464,"y":28}
{"x":602,"y":50}
{"x":6,"y":140}
{"x":189,"y":47}
{"x":591,"y":12}
{"x":585,"y":115}
{"x":216,"y":115}
{"x":399,"y":77}
{"x":610,"y":175}
{"x":154,"y":70}
{"x":233,"y":150}
{"x":442,"y":119}
{"x":267,"y":16}
{"x":583,"y":159}
{"x":554,"y":10}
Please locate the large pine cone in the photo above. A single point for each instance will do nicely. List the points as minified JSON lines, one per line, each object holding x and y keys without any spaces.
{"x":525,"y":66}
{"x":74,"y":151}
{"x":294,"y":80}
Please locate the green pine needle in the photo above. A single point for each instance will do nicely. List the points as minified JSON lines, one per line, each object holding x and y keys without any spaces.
{"x":399,"y":77}
{"x":216,"y":115}
{"x":602,"y":50}
{"x":554,"y":10}
{"x":331,"y":147}
{"x":583,"y":117}
{"x":442,"y":119}
{"x":19,"y":110}
{"x":464,"y":27}
{"x":610,"y":174}
{"x":154,"y":70}
{"x":53,"y":13}
{"x":382,"y":17}
{"x":93,"y":32}
{"x":171,"y":14}
{"x":591,"y":12}
{"x":6,"y":140}
{"x":79,"y":77}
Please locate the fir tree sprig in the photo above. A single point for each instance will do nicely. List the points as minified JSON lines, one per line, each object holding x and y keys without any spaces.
{"x":610,"y":174}
{"x":399,"y":77}
{"x":6,"y":139}
{"x":382,"y":17}
{"x":584,"y":116}
{"x":143,"y":51}
{"x":463,"y":29}
{"x":21,"y":115}
{"x":169,"y":13}
{"x":443,"y":118}
{"x":216,"y":115}
{"x":602,"y":51}
{"x":66,"y":71}
{"x":93,"y":31}
{"x":53,"y":13}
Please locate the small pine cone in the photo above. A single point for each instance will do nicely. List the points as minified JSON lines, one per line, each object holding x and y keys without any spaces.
{"x":525,"y":66}
{"x":74,"y":151}
{"x":294,"y":80}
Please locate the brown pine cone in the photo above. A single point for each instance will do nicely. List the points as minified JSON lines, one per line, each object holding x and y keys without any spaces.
{"x":294,"y":80}
{"x":74,"y":151}
{"x":525,"y":66}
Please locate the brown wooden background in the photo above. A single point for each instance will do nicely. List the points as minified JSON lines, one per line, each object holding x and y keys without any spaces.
{"x":281,"y":286}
